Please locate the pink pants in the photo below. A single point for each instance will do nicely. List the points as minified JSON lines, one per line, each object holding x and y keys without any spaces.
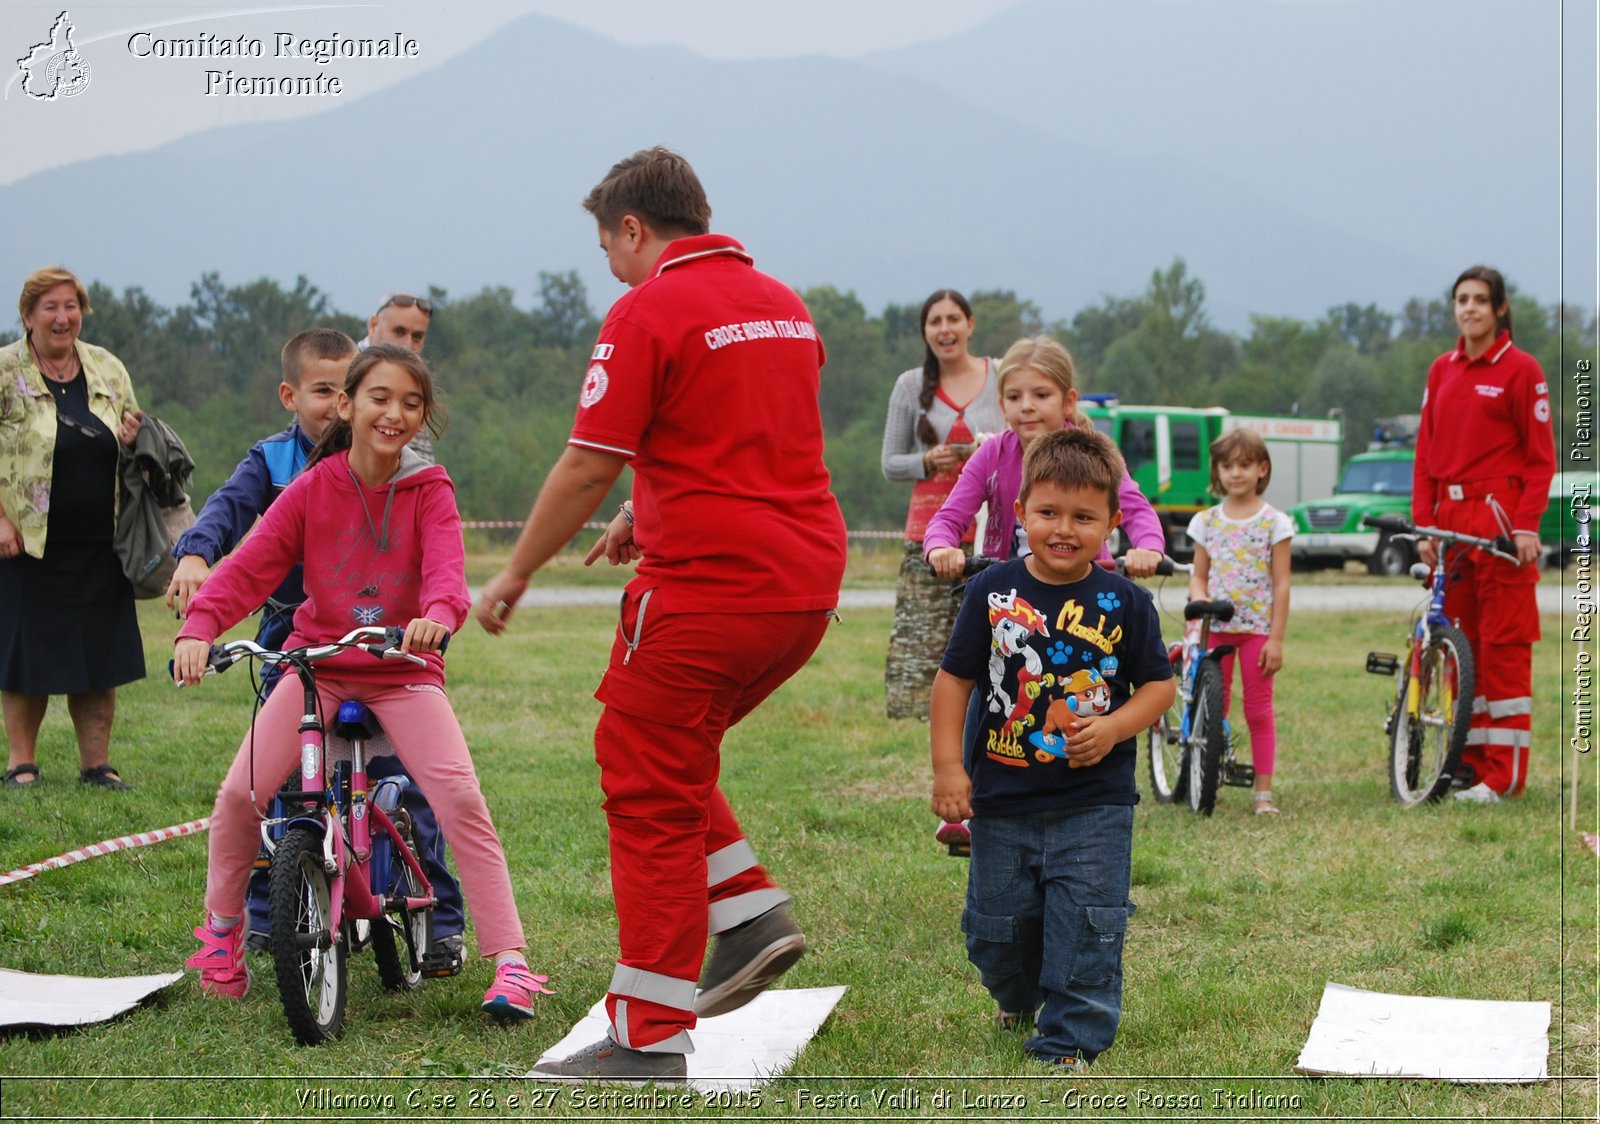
{"x":427,"y":739}
{"x":1257,"y":695}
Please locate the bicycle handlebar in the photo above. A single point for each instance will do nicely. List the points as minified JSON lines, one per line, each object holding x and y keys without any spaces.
{"x":1500,"y":546}
{"x":383,"y":643}
{"x":978,"y":563}
{"x":1164,"y":568}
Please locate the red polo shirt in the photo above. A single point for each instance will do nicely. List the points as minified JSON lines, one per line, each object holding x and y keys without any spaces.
{"x":705,"y":376}
{"x":1485,"y":420}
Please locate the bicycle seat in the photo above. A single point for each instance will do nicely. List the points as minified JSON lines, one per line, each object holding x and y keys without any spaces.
{"x":1221,"y":610}
{"x":357,"y":720}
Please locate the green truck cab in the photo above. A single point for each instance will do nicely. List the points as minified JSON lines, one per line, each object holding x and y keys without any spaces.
{"x":1330,"y":531}
{"x":1168,"y":451}
{"x":1568,"y":524}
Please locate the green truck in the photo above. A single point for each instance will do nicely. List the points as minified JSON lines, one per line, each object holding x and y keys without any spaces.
{"x":1168,"y":451}
{"x":1330,"y":531}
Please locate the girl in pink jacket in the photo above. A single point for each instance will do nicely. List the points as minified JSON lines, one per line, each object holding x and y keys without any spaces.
{"x":1038,"y":394}
{"x":380,"y":538}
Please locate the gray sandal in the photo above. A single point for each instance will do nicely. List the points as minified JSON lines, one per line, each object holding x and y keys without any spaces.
{"x":12,"y":778}
{"x":103,"y":776}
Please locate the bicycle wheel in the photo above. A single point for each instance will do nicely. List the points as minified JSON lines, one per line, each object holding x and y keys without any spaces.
{"x":400,"y":939}
{"x":1205,"y":738}
{"x":1164,"y":745}
{"x":1431,"y":720}
{"x":311,"y":960}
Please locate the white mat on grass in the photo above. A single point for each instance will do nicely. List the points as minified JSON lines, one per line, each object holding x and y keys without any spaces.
{"x":1462,"y":1040}
{"x":27,"y":999}
{"x":739,"y":1051}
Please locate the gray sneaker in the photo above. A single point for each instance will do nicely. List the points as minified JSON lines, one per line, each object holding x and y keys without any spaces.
{"x":747,"y":959}
{"x":606,"y":1062}
{"x":1071,"y":1063}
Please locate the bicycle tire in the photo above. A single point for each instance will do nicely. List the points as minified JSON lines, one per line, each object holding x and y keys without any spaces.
{"x":400,"y":940}
{"x":1164,"y":748}
{"x":1205,"y":738}
{"x":1425,"y":749}
{"x":311,"y":963}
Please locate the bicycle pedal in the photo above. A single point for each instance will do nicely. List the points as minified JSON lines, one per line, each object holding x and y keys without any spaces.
{"x":1239,"y":776}
{"x":1383,"y":663}
{"x":440,"y":963}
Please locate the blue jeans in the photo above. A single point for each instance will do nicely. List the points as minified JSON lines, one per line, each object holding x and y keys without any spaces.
{"x":1047,"y":910}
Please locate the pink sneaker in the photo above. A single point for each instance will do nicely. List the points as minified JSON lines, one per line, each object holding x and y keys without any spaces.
{"x":511,"y":994}
{"x":953,"y":834}
{"x":221,"y":961}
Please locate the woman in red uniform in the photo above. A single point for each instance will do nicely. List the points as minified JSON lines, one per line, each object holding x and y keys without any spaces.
{"x":1485,"y":456}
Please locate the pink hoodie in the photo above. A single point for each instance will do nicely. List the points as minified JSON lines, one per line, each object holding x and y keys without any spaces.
{"x":372,"y":556}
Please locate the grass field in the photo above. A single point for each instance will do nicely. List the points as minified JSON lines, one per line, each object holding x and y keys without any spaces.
{"x":1241,"y":920}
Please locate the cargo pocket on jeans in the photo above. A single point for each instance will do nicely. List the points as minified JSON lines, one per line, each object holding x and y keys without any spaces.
{"x":1100,"y":947}
{"x":993,"y":944}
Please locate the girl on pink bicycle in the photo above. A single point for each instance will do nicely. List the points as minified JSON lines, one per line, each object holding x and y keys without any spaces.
{"x":379,"y":535}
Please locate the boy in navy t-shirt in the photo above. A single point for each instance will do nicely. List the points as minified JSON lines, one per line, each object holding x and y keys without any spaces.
{"x":1072,"y":668}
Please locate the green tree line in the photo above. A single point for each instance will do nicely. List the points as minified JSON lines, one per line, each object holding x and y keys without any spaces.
{"x":510,"y":376}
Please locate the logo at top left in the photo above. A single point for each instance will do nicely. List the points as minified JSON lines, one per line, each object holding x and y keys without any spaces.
{"x":54,"y":68}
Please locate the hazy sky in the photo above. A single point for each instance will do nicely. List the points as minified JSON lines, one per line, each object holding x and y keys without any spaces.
{"x":160,"y":99}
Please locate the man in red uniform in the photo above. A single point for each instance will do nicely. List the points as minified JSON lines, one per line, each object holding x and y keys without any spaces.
{"x":704,"y":378}
{"x":1485,"y":456}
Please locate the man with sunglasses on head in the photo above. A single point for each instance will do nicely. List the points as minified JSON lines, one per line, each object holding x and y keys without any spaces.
{"x":404,"y":319}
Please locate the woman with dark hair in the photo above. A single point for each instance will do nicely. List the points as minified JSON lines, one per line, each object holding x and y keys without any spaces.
{"x":938,"y":413}
{"x":1485,"y":456}
{"x":67,"y":619}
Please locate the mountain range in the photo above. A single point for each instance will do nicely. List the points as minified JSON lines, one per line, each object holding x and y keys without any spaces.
{"x":1296,"y":155}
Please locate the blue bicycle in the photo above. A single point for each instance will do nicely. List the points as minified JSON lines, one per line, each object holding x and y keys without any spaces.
{"x":1192,"y":750}
{"x":1431,"y":712}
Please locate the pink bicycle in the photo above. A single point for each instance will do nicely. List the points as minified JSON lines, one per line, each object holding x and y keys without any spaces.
{"x":344,"y":871}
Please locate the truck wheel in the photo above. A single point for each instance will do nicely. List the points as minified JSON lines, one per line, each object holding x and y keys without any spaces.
{"x":1391,"y":559}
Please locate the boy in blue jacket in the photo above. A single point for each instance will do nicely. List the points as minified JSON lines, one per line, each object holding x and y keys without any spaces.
{"x":314,"y":366}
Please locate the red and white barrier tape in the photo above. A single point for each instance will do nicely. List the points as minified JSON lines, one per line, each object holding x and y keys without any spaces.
{"x":95,"y":850}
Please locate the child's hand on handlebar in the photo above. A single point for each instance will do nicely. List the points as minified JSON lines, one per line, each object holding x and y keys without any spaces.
{"x":948,"y":562}
{"x":1141,"y":563}
{"x":189,"y":659}
{"x":423,"y":636}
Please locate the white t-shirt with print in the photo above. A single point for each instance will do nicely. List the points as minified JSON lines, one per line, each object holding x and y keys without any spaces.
{"x":1241,"y":561}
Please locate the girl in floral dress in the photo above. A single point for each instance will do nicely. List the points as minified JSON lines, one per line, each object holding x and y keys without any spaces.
{"x":1241,"y":552}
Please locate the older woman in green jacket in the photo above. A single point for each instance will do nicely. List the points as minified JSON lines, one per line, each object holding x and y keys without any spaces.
{"x":67,"y":619}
